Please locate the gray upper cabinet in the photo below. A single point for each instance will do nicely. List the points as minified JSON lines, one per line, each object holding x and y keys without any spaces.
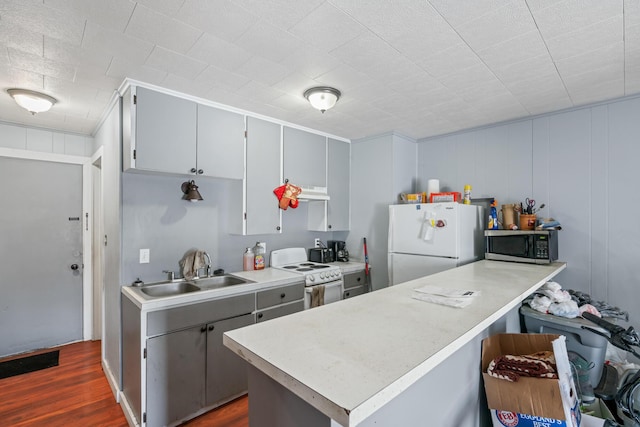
{"x":262,"y":213}
{"x":220,"y":143}
{"x":305,"y":158}
{"x":338,"y":185}
{"x":334,"y":214}
{"x":163,"y":132}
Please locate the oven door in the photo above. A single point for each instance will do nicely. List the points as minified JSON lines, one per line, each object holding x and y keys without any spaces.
{"x":332,"y":293}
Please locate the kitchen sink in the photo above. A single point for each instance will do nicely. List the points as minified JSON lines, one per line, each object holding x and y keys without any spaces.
{"x":220,"y":282}
{"x":169,"y":289}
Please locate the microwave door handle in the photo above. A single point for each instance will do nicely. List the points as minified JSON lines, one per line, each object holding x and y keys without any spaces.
{"x":526,"y":245}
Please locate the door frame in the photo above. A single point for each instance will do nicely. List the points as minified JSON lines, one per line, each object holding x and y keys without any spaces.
{"x":87,"y":212}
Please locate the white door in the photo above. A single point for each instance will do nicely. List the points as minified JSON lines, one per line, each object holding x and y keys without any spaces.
{"x":424,"y":229}
{"x":40,"y":254}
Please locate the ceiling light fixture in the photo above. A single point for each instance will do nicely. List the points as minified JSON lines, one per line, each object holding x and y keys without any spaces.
{"x":190,"y":190}
{"x":323,"y":97}
{"x":33,"y":102}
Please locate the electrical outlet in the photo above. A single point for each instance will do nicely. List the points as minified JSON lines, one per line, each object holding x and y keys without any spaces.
{"x":316,"y":243}
{"x":144,"y":256}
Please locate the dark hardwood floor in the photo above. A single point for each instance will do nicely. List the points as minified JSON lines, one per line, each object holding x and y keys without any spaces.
{"x":76,"y":393}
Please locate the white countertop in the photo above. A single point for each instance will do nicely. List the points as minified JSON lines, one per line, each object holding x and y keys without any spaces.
{"x":261,"y":279}
{"x":349,"y":358}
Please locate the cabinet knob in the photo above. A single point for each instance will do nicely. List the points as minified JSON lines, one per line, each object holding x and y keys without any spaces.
{"x":359,"y":278}
{"x":193,"y":170}
{"x":211,"y":328}
{"x":200,"y":171}
{"x":203,"y":329}
{"x":348,"y":294}
{"x":282,"y":295}
{"x":329,"y":226}
{"x":260,"y":315}
{"x":278,"y":228}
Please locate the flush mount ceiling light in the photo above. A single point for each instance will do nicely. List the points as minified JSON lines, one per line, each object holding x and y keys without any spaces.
{"x":33,"y":102}
{"x":190,"y":190}
{"x":323,"y":97}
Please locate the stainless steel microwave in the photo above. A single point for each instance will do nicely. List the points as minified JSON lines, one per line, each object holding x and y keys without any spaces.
{"x":532,"y":246}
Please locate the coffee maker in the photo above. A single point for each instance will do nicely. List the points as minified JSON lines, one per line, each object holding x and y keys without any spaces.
{"x":340,"y":252}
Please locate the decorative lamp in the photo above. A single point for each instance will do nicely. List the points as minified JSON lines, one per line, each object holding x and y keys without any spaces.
{"x":190,"y":190}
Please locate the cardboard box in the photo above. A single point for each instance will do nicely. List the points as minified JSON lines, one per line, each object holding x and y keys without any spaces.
{"x":451,"y":196}
{"x":530,"y":402}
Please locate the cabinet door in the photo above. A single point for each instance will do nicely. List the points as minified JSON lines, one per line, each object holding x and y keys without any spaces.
{"x":220,"y":143}
{"x":305,"y":158}
{"x":353,"y":280}
{"x":226,"y":371}
{"x":165,"y":137}
{"x":175,"y":380}
{"x":338,"y":187}
{"x":279,"y":311}
{"x":353,"y":292}
{"x":263,"y":176}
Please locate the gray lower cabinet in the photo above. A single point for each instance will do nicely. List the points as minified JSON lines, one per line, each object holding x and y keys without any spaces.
{"x":175,"y":375}
{"x":279,"y":302}
{"x":354,"y":284}
{"x":187,"y":367}
{"x":226,"y":372}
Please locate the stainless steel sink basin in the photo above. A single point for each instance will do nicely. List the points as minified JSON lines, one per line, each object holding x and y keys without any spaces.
{"x":220,"y":281}
{"x":169,"y":289}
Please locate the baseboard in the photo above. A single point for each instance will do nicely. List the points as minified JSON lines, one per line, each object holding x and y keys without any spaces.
{"x":128,"y":412}
{"x":111,"y":379}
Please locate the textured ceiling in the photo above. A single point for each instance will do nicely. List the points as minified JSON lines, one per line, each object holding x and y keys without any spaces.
{"x":421,"y":68}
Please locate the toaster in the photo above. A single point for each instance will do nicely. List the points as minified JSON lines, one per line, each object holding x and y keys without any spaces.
{"x":321,"y":255}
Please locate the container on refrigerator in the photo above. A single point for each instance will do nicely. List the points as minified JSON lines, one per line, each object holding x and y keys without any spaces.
{"x":431,"y":237}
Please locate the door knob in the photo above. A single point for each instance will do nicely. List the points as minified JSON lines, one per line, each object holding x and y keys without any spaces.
{"x":74,"y":267}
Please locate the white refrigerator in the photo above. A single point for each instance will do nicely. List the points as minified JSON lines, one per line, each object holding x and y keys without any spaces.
{"x":428,"y":238}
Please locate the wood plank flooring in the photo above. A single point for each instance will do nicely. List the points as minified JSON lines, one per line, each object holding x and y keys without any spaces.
{"x":76,"y":393}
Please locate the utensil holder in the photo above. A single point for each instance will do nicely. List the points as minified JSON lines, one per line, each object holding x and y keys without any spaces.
{"x":527,"y":221}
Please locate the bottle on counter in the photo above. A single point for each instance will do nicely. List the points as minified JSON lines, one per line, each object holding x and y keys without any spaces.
{"x":258,"y":257}
{"x":493,"y":216}
{"x":467,"y":195}
{"x":248,"y":260}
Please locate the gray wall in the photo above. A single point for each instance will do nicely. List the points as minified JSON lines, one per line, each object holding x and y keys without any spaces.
{"x":155,"y":217}
{"x":108,"y":137}
{"x":582,"y":164}
{"x":46,"y":141}
{"x":382,"y":167}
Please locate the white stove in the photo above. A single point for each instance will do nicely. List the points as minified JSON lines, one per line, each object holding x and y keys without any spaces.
{"x":295,"y":261}
{"x":324,"y":277}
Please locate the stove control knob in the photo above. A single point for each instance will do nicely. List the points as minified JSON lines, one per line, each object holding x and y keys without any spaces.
{"x":311,"y":278}
{"x":322,"y":276}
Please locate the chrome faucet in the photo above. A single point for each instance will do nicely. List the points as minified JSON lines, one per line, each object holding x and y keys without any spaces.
{"x":208,"y":264}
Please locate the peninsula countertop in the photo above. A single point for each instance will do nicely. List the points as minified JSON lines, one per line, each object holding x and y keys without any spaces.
{"x":350,"y":358}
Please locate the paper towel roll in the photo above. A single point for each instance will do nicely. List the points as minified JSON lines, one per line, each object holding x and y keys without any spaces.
{"x":433,"y":186}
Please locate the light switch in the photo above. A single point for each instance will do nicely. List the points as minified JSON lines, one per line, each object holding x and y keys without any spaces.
{"x":144,"y":256}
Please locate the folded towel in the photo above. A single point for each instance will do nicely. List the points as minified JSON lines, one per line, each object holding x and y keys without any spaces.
{"x":317,"y":296}
{"x":511,"y":368}
{"x":191,"y":262}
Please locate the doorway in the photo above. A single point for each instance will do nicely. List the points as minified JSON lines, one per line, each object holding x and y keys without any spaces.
{"x":41,"y":255}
